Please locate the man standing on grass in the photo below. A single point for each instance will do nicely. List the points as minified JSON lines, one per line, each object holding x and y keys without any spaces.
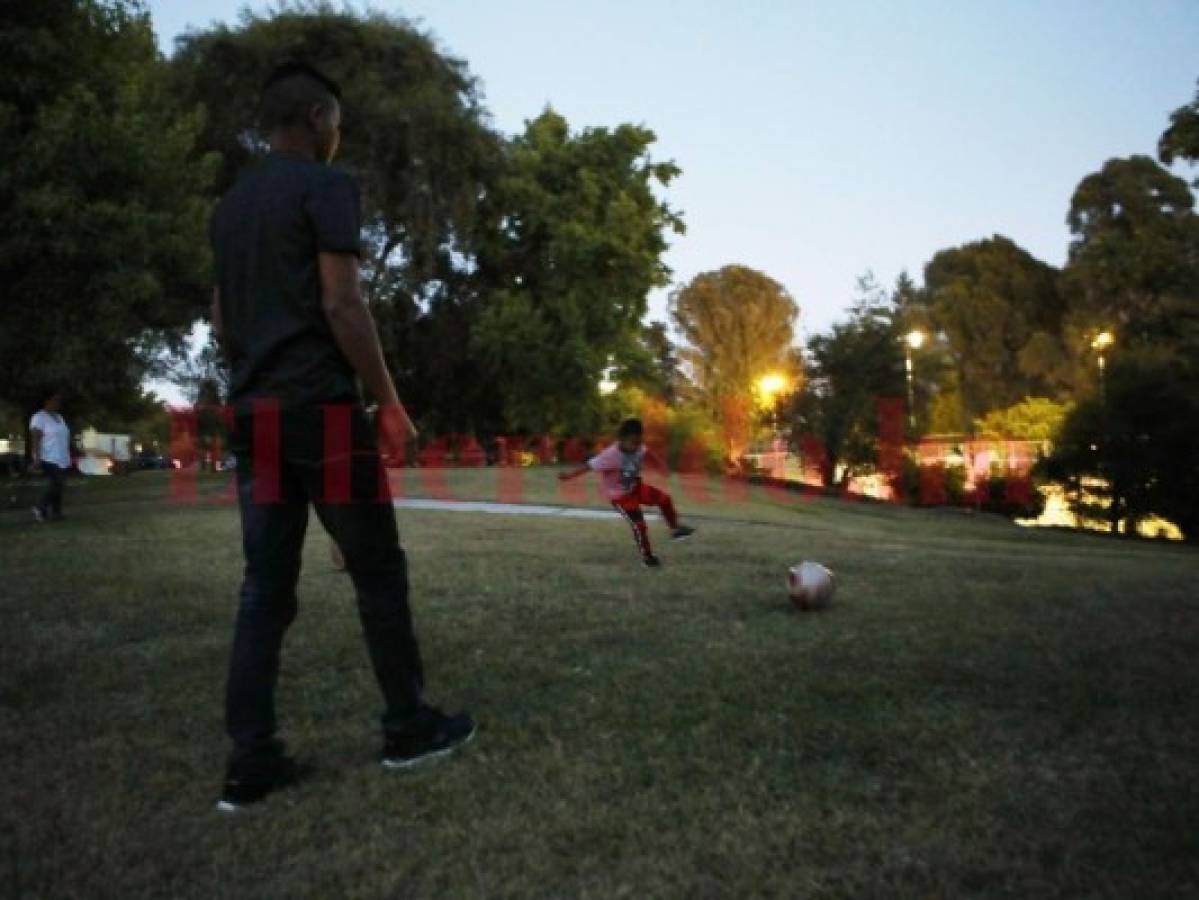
{"x":51,"y":452}
{"x":289,"y":314}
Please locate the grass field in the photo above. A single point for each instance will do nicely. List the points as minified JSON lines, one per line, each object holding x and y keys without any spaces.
{"x":985,"y":712}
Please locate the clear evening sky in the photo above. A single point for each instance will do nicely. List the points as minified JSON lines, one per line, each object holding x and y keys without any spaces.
{"x":818,"y":140}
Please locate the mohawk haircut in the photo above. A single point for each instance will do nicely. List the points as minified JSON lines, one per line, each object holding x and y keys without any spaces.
{"x":290,"y":92}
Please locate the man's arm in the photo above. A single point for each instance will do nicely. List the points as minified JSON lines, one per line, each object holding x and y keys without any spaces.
{"x":354,"y":331}
{"x":35,"y":452}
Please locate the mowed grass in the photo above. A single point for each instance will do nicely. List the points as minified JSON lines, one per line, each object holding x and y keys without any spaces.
{"x":985,"y":711}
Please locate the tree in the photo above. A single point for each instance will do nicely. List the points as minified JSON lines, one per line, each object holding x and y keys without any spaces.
{"x":848,"y":371}
{"x":1001,"y":314}
{"x":651,"y":363}
{"x":1134,"y":260}
{"x":1181,"y":139}
{"x":417,"y":138}
{"x":1032,"y":419}
{"x":1133,"y":449}
{"x":577,"y":247}
{"x":202,"y":375}
{"x":737,"y":325}
{"x":102,"y":245}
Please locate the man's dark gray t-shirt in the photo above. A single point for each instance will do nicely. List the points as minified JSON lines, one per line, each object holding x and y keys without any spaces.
{"x":266,"y":235}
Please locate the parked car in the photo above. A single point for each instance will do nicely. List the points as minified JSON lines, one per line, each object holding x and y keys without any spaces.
{"x":151,"y":459}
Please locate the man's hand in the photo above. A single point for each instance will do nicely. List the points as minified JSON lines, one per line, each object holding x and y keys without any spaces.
{"x":395,"y":430}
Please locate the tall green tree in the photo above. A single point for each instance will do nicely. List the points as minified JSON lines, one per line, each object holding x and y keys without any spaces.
{"x":102,"y":244}
{"x":577,"y":246}
{"x":1134,"y":259}
{"x":737,"y":325}
{"x":1132,"y":449}
{"x":417,"y":137}
{"x":848,"y":370}
{"x":1000,"y":312}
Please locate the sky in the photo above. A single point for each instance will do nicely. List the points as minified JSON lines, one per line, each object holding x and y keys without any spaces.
{"x":821,"y":140}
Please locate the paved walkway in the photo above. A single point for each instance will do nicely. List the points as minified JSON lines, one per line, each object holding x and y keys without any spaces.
{"x":510,"y":509}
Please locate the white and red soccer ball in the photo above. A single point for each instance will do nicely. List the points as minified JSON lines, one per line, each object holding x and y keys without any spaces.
{"x":810,"y":586}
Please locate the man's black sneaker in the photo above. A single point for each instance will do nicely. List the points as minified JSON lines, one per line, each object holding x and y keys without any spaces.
{"x":251,"y":785}
{"x":429,"y":735}
{"x":682,"y":533}
{"x":651,"y":561}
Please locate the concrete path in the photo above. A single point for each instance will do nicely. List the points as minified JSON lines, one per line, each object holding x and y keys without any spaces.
{"x":510,"y":509}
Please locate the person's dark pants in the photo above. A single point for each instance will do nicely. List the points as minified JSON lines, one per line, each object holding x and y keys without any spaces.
{"x":280,"y":471}
{"x":50,"y":502}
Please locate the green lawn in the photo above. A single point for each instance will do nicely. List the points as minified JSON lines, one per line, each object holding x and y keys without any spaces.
{"x":985,"y":711}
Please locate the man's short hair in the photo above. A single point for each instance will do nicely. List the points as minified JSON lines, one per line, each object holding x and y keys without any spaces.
{"x":290,"y":92}
{"x":630,"y":428}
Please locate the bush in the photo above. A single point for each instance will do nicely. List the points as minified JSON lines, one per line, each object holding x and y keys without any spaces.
{"x":955,"y":484}
{"x":1016,"y":498}
{"x":905,"y":484}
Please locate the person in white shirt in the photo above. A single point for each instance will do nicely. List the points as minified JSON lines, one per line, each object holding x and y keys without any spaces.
{"x":51,"y":453}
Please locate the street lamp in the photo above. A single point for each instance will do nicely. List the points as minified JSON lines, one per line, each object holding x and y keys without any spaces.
{"x":606,"y":384}
{"x":1099,"y":344}
{"x":913,"y":340}
{"x":770,"y":386}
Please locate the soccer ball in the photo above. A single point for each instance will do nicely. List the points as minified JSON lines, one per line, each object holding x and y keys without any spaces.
{"x":810,"y":585}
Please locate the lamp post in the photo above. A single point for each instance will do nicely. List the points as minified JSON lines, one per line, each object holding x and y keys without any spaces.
{"x":913,"y":340}
{"x":770,"y":386}
{"x":1099,"y":344}
{"x":606,"y":384}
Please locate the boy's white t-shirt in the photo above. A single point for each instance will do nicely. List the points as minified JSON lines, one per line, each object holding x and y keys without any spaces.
{"x":620,"y":471}
{"x":56,"y":438}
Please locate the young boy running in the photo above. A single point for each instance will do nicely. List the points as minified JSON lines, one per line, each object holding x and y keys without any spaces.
{"x":619,"y":464}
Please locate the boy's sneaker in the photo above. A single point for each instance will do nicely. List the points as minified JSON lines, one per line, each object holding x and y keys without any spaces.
{"x":253,"y":784}
{"x":38,"y":514}
{"x":651,"y":561}
{"x":429,"y":735}
{"x":682,"y":533}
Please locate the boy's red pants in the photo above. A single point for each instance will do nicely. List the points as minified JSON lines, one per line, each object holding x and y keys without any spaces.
{"x":630,"y":507}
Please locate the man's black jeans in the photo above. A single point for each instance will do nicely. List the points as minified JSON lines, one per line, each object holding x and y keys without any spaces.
{"x":50,"y":502}
{"x":285,"y":462}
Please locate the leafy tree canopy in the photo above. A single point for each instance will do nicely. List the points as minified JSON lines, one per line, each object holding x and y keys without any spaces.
{"x":1000,"y":313}
{"x":1133,"y":449}
{"x":737,"y":325}
{"x":1032,"y":419}
{"x":1134,"y":260}
{"x":577,"y":246}
{"x":102,"y":245}
{"x":1181,"y":139}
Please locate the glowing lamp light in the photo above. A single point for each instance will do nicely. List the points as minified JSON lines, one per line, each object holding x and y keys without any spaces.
{"x":1102,"y":341}
{"x":772,"y":384}
{"x":915,"y":338}
{"x":607,"y":385}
